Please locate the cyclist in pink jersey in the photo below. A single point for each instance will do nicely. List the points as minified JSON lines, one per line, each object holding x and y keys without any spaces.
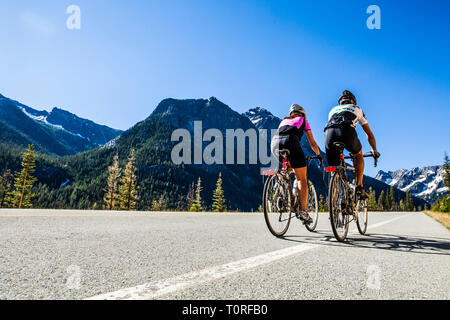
{"x":288,"y":136}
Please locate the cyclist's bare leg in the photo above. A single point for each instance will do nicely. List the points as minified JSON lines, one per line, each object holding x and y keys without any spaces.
{"x":302,"y":182}
{"x":359,"y":168}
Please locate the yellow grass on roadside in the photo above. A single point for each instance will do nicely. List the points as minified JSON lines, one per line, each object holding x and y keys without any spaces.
{"x":441,"y":217}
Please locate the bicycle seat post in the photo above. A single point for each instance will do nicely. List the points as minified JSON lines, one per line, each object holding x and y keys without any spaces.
{"x":284,"y":153}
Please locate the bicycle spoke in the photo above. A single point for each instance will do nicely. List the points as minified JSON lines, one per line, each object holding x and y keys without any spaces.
{"x":338,"y":210}
{"x":276,"y":205}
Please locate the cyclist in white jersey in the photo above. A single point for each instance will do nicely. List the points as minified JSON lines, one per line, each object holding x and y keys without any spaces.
{"x":342,"y":122}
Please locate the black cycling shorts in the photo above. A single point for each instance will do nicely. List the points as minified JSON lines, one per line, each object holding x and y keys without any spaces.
{"x":346,"y":135}
{"x":292,"y":143}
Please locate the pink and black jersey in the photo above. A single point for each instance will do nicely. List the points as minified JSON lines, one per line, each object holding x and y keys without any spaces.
{"x":295,"y":126}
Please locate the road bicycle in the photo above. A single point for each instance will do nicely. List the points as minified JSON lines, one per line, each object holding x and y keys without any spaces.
{"x":344,"y":203}
{"x":279,"y":202}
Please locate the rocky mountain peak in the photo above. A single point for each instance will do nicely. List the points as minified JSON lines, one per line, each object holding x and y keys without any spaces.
{"x":427,"y":183}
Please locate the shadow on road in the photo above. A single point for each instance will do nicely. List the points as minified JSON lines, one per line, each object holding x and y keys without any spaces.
{"x":391,"y":242}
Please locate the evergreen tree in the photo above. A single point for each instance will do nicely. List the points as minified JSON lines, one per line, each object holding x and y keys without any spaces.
{"x":160,"y":204}
{"x":21,"y":195}
{"x":323,"y":204}
{"x":6,"y":182}
{"x":447,"y":171}
{"x":401,"y":206}
{"x":128,"y":188}
{"x":381,"y":201}
{"x":218,"y":197}
{"x":111,"y":192}
{"x":409,"y":202}
{"x":190,"y":197}
{"x":391,"y":199}
{"x":197,"y":205}
{"x":372,"y":203}
{"x":443,"y":204}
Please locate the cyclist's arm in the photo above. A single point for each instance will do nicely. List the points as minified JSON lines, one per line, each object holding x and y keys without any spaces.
{"x":370,"y":137}
{"x":312,"y":142}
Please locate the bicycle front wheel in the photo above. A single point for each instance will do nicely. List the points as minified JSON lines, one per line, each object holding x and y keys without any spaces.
{"x":276,"y":202}
{"x":337,"y":204}
{"x":313,"y":207}
{"x":361,"y":221}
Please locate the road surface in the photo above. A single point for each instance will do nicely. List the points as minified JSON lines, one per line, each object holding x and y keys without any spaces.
{"x":48,"y":254}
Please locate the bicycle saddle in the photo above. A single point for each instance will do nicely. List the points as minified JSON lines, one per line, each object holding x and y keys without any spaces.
{"x":339,"y":145}
{"x":283,"y":153}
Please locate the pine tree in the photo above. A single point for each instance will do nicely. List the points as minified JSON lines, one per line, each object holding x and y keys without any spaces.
{"x":197,"y":205}
{"x":447,"y":171}
{"x":218,"y":197}
{"x":381,"y":201}
{"x":21,"y":195}
{"x":409,"y":202}
{"x":6,"y":182}
{"x":323,"y":204}
{"x":190,"y":197}
{"x":128,"y":189}
{"x":111,"y":192}
{"x":391,"y":199}
{"x":372,"y":202}
{"x":401,"y":206}
{"x":159,"y":205}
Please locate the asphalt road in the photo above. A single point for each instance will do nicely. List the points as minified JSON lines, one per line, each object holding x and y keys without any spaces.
{"x":108,"y":255}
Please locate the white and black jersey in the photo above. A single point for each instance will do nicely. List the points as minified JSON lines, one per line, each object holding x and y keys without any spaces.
{"x":345,"y":115}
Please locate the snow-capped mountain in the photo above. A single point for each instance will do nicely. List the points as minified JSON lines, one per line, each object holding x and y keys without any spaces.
{"x":262,"y":118}
{"x":62,"y":119}
{"x":59,"y":131}
{"x":427,"y":183}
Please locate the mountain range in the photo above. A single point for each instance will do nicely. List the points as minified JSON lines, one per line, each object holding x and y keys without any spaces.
{"x":78,"y":179}
{"x":57,"y":132}
{"x":427,"y":183}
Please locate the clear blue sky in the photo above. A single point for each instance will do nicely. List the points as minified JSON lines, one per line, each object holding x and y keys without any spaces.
{"x":129,"y":55}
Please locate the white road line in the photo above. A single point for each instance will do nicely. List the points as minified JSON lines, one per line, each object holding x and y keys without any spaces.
{"x":159,"y":288}
{"x":379,"y":224}
{"x":155,"y":289}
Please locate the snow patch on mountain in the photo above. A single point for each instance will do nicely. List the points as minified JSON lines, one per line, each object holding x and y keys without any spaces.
{"x":43,"y":119}
{"x":262,"y":118}
{"x":110,"y":144}
{"x":427,"y":183}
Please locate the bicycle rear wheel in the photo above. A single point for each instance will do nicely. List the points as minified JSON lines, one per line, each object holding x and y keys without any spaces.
{"x":362,"y":219}
{"x":337,"y":204}
{"x":313,"y":207}
{"x":276,"y":203}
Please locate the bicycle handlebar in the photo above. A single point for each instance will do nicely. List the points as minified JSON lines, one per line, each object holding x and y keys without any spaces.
{"x":367,"y":155}
{"x":316,"y":158}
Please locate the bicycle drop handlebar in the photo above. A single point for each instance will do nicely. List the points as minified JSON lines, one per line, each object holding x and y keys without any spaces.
{"x":367,"y":155}
{"x":316,"y":158}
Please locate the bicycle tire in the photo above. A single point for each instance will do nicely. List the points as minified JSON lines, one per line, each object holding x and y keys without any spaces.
{"x":362,"y":220}
{"x":313,"y":211}
{"x":337,"y":218}
{"x":268,"y":208}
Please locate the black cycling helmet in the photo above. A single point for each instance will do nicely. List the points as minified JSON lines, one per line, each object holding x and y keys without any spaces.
{"x":347,"y":98}
{"x":297,"y":109}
